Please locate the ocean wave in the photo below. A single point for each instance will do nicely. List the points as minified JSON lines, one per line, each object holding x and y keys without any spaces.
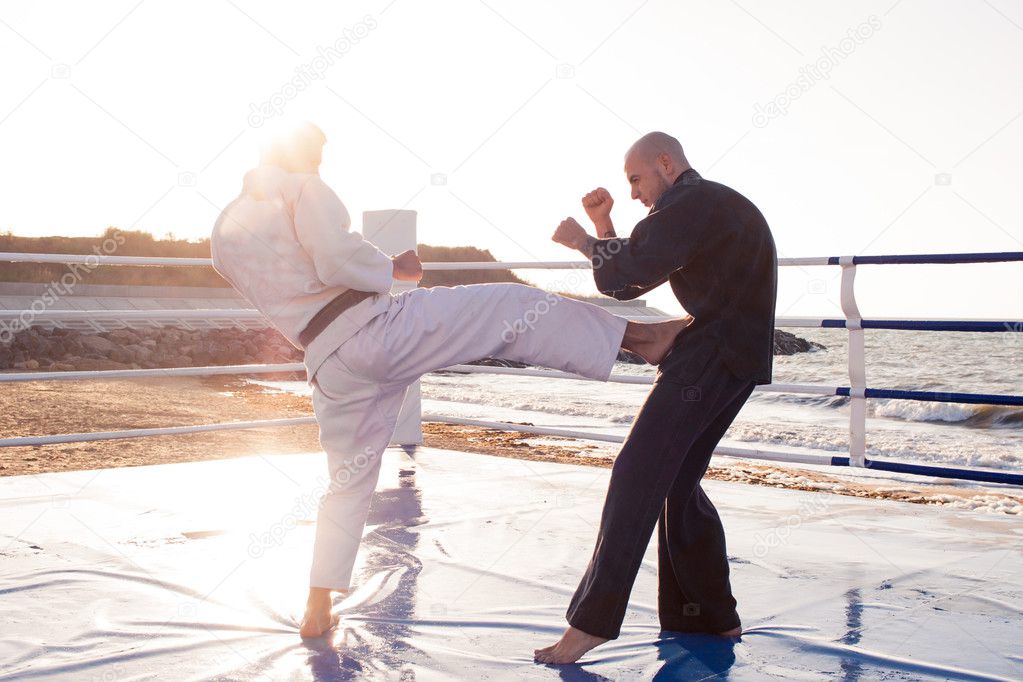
{"x":608,"y":412}
{"x":979,"y":416}
{"x":960,"y":414}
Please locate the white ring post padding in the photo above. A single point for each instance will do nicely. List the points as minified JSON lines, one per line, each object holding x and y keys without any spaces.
{"x":393,"y":232}
{"x":857,"y":365}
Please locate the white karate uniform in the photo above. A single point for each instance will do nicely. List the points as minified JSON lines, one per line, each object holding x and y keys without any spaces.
{"x":285,"y":245}
{"x":358,"y":391}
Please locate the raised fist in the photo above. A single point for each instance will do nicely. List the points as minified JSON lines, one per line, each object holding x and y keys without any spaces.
{"x":598,"y":204}
{"x":570,"y":233}
{"x":407,"y":267}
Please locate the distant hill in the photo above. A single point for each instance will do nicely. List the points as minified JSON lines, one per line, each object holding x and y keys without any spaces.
{"x":454,"y":254}
{"x":137,"y":243}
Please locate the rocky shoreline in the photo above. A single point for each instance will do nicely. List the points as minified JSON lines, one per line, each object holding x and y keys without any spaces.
{"x":58,"y":349}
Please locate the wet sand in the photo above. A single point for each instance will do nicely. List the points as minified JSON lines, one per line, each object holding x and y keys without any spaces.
{"x":50,"y":407}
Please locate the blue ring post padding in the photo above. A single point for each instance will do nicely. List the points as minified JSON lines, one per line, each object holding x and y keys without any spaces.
{"x":939,"y":397}
{"x":945,"y":472}
{"x":997,"y":257}
{"x":1010,"y":326}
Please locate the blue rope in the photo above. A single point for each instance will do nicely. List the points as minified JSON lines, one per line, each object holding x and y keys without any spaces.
{"x":981,"y":475}
{"x":947,"y":472}
{"x":933,"y":325}
{"x":940,"y":397}
{"x":998,"y":257}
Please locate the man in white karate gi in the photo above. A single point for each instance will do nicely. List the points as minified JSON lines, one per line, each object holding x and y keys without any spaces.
{"x":286,"y":246}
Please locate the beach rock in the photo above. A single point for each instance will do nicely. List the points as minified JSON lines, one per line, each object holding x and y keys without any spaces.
{"x":170,"y":347}
{"x":120,"y":355}
{"x":123,"y":336}
{"x":630,"y":357}
{"x":137,"y":352}
{"x":498,"y":362}
{"x":97,"y":344}
{"x":786,"y":343}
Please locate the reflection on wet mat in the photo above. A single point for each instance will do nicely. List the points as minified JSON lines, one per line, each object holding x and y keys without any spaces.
{"x":467,"y":566}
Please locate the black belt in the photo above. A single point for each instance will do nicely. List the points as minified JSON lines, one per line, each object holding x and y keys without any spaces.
{"x":329,"y":313}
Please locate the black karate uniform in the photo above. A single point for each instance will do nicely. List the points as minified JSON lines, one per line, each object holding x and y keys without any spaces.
{"x":716,"y":250}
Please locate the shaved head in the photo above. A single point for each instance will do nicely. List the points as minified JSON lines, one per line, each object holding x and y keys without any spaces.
{"x":652,"y":145}
{"x":652,"y":165}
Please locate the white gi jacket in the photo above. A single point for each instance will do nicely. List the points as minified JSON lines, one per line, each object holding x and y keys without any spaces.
{"x":285,"y":244}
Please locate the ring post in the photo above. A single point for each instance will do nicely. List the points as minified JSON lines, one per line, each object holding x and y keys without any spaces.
{"x":394,"y":231}
{"x":857,"y":365}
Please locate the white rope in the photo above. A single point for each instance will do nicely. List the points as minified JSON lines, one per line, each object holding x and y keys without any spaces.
{"x":94,"y":259}
{"x":98,"y":375}
{"x":745,"y":453}
{"x":101,"y":374}
{"x":137,"y":433}
{"x":137,"y":314}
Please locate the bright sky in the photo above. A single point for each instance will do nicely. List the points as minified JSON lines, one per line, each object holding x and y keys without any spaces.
{"x":857,"y":128}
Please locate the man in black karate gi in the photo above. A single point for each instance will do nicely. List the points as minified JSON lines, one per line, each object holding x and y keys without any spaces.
{"x":715,"y":249}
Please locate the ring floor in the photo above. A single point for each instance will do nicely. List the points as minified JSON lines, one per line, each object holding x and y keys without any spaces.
{"x":198,"y":571}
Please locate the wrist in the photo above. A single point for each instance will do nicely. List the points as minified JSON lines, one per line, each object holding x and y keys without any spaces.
{"x":586,"y":245}
{"x":605,"y":229}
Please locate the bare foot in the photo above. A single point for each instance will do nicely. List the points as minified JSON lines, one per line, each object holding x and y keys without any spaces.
{"x":569,"y":649}
{"x":318,"y":618}
{"x":652,"y":341}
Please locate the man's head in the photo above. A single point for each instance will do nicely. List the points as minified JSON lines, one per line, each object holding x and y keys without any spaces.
{"x":652,"y":165}
{"x":296,"y":149}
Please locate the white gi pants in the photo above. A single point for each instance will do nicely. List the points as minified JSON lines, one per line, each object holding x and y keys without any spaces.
{"x":359,"y":390}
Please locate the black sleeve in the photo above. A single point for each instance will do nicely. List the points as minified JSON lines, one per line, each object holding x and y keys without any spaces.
{"x":661,"y":243}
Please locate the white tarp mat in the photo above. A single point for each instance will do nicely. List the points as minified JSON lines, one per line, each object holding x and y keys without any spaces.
{"x":198,"y":571}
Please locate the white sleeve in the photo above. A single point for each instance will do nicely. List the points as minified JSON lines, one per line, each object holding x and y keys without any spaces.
{"x":342,"y":258}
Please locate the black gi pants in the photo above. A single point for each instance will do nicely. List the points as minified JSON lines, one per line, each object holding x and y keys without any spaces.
{"x":656,"y":480}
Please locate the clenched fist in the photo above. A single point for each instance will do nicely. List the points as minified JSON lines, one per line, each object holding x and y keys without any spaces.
{"x":598,"y":205}
{"x":407,"y":267}
{"x":570,"y":233}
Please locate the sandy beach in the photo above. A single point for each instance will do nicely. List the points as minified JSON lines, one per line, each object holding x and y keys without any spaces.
{"x":50,"y":407}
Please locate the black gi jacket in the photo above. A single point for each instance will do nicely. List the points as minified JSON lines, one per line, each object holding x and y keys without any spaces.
{"x":715,"y":248}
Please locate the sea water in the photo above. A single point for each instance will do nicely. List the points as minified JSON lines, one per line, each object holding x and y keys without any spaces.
{"x":905,"y":430}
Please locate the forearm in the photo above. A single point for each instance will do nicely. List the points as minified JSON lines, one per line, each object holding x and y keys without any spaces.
{"x":601,"y":253}
{"x":605,"y":229}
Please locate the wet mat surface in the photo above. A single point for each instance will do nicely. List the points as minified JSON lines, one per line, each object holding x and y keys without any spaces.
{"x":199,"y":571}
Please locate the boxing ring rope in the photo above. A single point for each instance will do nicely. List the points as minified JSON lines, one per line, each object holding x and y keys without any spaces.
{"x":857,"y":392}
